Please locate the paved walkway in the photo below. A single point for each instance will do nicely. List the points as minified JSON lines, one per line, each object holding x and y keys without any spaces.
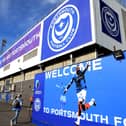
{"x":6,"y":114}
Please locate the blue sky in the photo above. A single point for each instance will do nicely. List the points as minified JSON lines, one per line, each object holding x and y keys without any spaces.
{"x":18,"y":16}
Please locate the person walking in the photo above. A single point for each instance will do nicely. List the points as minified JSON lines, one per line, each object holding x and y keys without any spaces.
{"x":17,"y":105}
{"x":81,"y":92}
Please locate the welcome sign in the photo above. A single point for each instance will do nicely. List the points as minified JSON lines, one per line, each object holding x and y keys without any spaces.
{"x":105,"y":80}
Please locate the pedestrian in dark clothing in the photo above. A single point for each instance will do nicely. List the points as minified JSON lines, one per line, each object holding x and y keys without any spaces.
{"x":17,"y":105}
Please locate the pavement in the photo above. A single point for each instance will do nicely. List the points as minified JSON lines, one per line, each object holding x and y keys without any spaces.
{"x":6,"y":114}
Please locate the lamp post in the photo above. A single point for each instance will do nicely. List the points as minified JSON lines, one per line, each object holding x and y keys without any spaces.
{"x":3,"y":44}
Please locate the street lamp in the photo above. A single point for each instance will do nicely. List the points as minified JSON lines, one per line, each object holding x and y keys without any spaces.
{"x":3,"y":44}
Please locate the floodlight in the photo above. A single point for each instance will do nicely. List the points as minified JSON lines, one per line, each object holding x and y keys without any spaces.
{"x":118,"y":54}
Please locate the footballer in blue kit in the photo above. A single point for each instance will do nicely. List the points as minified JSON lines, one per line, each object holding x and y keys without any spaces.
{"x":81,"y":91}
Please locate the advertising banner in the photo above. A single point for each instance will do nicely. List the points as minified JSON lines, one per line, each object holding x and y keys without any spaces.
{"x":67,"y":28}
{"x":24,"y":45}
{"x":105,"y":86}
{"x":110,"y":21}
{"x":110,"y":26}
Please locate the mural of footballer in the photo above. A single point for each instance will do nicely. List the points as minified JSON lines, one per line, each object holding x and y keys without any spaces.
{"x":81,"y":91}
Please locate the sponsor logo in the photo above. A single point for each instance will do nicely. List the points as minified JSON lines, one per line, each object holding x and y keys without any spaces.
{"x":37,"y":104}
{"x":63,"y":28}
{"x":37,"y":87}
{"x":37,"y":84}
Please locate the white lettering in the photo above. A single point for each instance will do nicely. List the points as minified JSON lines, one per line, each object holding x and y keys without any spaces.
{"x":124,"y":122}
{"x":96,"y":117}
{"x":66,"y":71}
{"x":46,"y":109}
{"x":48,"y":75}
{"x":104,"y":119}
{"x":96,"y":64}
{"x":72,"y":69}
{"x":54,"y":73}
{"x":59,"y":73}
{"x":117,"y":120}
{"x":65,"y":113}
{"x":89,"y":117}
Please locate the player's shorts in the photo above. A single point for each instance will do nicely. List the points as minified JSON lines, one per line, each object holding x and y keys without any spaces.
{"x":81,"y":95}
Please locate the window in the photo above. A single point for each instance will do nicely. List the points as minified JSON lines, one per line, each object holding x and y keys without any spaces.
{"x":30,"y":55}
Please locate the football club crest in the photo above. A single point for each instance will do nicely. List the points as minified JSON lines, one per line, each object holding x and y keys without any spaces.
{"x":37,"y":104}
{"x":110,"y":21}
{"x":63,"y":28}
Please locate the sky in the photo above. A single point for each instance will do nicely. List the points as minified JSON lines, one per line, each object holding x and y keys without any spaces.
{"x":19,"y":16}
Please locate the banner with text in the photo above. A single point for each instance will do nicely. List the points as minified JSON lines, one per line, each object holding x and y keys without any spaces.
{"x":24,"y":45}
{"x":105,"y":82}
